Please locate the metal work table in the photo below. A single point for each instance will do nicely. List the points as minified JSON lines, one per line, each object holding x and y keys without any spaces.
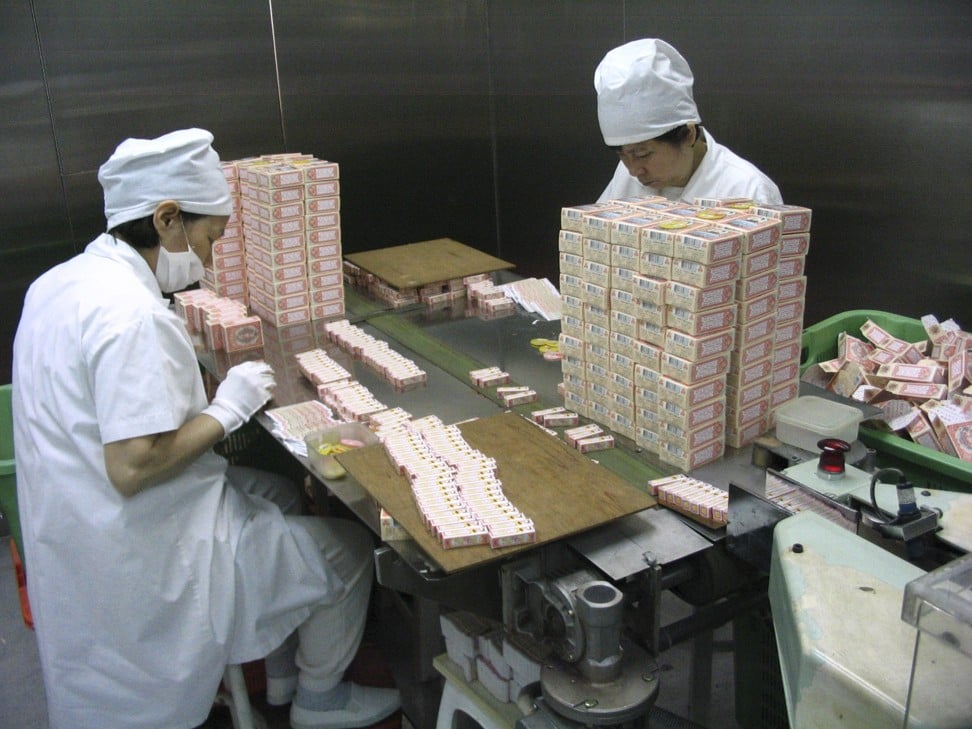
{"x":652,"y":552}
{"x":447,"y":343}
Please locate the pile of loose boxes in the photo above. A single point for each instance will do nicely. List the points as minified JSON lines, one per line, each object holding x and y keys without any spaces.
{"x":682,"y":324}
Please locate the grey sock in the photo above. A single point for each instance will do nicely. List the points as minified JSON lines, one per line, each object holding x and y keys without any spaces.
{"x":280,"y":663}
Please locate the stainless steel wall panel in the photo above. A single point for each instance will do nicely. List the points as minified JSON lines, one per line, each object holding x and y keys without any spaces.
{"x":85,"y":205}
{"x":34,"y":225}
{"x":32,"y":206}
{"x":398,"y":94}
{"x":120,"y":69}
{"x":549,"y":149}
{"x":858,"y":110}
{"x":477,"y":120}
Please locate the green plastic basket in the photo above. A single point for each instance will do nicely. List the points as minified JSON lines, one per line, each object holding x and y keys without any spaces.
{"x":922,"y":466}
{"x":8,"y":472}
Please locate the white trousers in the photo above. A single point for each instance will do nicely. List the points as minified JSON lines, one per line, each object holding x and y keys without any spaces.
{"x":327,"y":641}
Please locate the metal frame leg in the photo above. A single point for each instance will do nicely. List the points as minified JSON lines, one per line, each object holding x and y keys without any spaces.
{"x":428,"y":637}
{"x":700,"y":678}
{"x":238,"y":700}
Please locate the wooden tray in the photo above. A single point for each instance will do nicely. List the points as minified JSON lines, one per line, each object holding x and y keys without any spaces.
{"x":562,"y":490}
{"x":418,"y":264}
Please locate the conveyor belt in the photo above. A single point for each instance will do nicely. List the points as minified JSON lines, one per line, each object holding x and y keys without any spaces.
{"x":626,"y":462}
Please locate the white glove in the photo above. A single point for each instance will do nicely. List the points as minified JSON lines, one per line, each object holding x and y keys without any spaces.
{"x":245,"y":390}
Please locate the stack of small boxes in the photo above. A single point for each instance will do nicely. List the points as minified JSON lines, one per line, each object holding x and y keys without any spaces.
{"x":791,"y":291}
{"x":698,"y":500}
{"x":287,"y":344}
{"x":765,"y":366}
{"x":226,"y":273}
{"x":351,"y":400}
{"x":455,"y":487}
{"x":289,"y":228}
{"x":504,"y":664}
{"x":486,"y":300}
{"x":223,"y":322}
{"x":463,"y":631}
{"x":399,"y":371}
{"x":357,"y":277}
{"x":673,"y":331}
{"x":442,"y":293}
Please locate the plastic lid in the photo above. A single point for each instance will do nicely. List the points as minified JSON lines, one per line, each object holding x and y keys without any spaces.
{"x":818,"y":414}
{"x":940,"y":603}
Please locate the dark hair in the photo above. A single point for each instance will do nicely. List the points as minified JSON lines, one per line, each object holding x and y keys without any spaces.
{"x":677,"y":135}
{"x":674,"y":136}
{"x":141,"y":233}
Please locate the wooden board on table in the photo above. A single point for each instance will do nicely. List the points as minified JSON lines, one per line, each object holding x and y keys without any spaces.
{"x":417,"y":264}
{"x":562,"y":490}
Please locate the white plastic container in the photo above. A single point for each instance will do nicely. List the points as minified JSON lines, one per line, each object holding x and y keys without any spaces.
{"x":328,"y":466}
{"x":804,"y":421}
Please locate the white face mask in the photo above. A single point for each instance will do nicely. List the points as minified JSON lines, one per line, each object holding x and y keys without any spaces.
{"x":176,"y":271}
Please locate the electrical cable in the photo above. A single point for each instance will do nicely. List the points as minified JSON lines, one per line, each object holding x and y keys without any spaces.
{"x":889,"y":518}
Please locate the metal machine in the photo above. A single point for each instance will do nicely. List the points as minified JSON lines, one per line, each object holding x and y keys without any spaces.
{"x":592,"y":677}
{"x":593,"y":602}
{"x":842,"y":545}
{"x":832,"y":541}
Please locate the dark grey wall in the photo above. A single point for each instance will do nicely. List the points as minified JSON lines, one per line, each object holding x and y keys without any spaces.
{"x":475,"y":119}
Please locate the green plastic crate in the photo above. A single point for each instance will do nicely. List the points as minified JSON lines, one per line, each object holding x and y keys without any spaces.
{"x":922,"y":466}
{"x":8,"y":481}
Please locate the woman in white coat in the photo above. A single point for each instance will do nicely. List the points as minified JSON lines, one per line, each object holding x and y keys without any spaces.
{"x":648,"y":115}
{"x":151,"y":564}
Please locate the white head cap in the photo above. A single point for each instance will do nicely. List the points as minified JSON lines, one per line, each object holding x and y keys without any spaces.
{"x":644,"y":89}
{"x":180,"y":166}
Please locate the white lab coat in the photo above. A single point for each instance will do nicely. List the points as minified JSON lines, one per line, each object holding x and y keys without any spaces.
{"x":138,"y":603}
{"x":721,"y":174}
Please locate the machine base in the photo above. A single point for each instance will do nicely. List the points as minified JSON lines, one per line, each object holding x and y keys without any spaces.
{"x":623,"y":700}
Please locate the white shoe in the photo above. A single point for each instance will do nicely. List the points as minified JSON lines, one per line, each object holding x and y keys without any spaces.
{"x":280,"y":691}
{"x":366,"y":706}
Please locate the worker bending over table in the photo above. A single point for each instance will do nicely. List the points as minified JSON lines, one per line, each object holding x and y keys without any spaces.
{"x":647,"y":113}
{"x":152,"y":564}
